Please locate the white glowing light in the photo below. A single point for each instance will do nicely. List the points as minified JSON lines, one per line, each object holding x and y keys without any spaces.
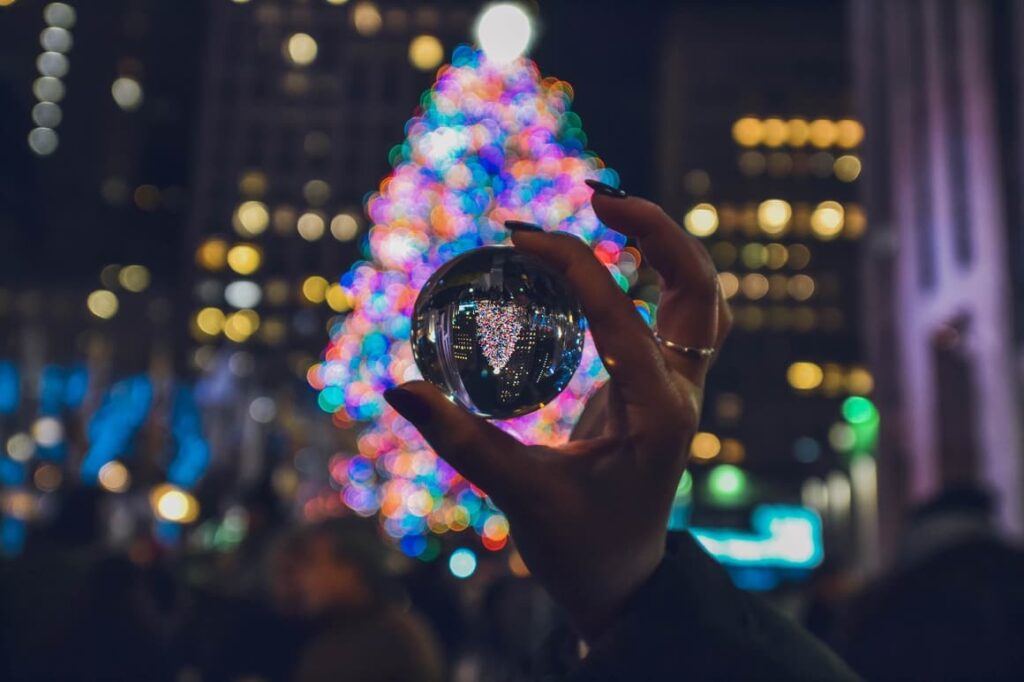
{"x":173,"y":504}
{"x":47,"y":432}
{"x":504,"y":31}
{"x":48,"y":89}
{"x":243,"y":294}
{"x":21,"y":447}
{"x":59,"y":14}
{"x":52,"y":64}
{"x":462,"y":563}
{"x":783,"y":536}
{"x":263,"y":409}
{"x":43,"y":141}
{"x":127,"y":92}
{"x":55,"y":39}
{"x":47,"y":114}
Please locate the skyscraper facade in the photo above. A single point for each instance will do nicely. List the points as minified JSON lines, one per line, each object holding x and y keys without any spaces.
{"x":759,"y":157}
{"x":940,"y":86}
{"x":301,"y":102}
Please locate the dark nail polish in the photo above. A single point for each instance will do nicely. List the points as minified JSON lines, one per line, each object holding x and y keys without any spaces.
{"x":408,"y":404}
{"x":520,"y":226}
{"x":606,"y":190}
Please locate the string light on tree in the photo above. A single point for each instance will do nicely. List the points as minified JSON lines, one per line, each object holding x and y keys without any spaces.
{"x":494,"y":141}
{"x":462,"y":563}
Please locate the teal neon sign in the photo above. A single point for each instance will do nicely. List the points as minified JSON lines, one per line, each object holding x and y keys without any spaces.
{"x":783,"y":536}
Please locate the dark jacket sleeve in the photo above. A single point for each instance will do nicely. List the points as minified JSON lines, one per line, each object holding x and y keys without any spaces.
{"x":689,"y":622}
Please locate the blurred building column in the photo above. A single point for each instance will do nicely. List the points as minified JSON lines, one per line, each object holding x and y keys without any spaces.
{"x":939,"y":86}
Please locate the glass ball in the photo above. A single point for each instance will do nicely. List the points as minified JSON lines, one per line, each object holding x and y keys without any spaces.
{"x":498,"y":331}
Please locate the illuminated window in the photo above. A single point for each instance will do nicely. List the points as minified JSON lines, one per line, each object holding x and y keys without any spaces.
{"x":754,"y":286}
{"x":799,"y":256}
{"x":799,"y":132}
{"x":775,"y":132}
{"x":847,"y":168}
{"x":251,"y":218}
{"x":823,"y":133}
{"x":776,"y":255}
{"x":730,"y":284}
{"x":314,"y":289}
{"x":316,"y":192}
{"x":800,"y":287}
{"x":705,"y":446}
{"x":212,"y":254}
{"x":311,"y":226}
{"x":849,"y":133}
{"x":426,"y":52}
{"x":804,"y":376}
{"x":210,"y":321}
{"x":127,"y":93}
{"x":748,"y":131}
{"x":827,"y":220}
{"x":366,"y":18}
{"x":244,"y":259}
{"x":300,"y":49}
{"x":773,"y":215}
{"x":253,"y":183}
{"x":102,"y":303}
{"x":702,"y":220}
{"x":754,"y":255}
{"x":134,"y":278}
{"x":344,"y":227}
{"x":752,"y":163}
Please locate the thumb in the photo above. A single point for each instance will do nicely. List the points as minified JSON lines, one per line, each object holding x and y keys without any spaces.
{"x":490,"y":458}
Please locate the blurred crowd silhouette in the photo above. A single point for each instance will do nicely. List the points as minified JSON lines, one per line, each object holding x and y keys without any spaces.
{"x":324,"y":601}
{"x":329,"y":601}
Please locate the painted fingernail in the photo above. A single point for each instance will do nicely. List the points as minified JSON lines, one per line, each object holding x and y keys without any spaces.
{"x":408,"y":404}
{"x":606,"y":190}
{"x":520,"y":226}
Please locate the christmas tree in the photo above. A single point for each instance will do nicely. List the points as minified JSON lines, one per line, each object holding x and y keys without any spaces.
{"x":490,"y":142}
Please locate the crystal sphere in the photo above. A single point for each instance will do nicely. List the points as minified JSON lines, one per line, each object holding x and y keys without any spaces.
{"x":497,"y":331}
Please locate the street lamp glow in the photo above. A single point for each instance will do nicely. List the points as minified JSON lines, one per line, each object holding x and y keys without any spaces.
{"x":504,"y":31}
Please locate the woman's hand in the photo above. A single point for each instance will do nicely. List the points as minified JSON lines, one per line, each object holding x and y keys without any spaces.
{"x":590,"y":517}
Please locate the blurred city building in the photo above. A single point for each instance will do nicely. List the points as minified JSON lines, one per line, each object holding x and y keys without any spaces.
{"x":759,"y":157}
{"x":940,"y":87}
{"x":96,"y":108}
{"x":300,"y":103}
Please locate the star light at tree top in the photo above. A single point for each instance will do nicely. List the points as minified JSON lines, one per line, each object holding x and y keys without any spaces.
{"x":490,"y":142}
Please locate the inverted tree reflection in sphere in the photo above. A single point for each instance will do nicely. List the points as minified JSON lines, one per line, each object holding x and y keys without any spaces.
{"x":498,"y":332}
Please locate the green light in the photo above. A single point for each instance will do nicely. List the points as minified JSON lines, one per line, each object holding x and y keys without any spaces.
{"x":685,"y":486}
{"x":727,"y":483}
{"x":858,"y":410}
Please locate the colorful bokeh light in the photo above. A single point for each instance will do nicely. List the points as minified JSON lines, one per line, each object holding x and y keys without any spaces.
{"x":491,"y":142}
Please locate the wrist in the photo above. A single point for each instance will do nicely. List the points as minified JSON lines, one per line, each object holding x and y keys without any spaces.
{"x":595,"y":616}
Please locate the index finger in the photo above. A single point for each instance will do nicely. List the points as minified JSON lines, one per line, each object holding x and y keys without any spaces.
{"x":490,"y":458}
{"x":689,"y":309}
